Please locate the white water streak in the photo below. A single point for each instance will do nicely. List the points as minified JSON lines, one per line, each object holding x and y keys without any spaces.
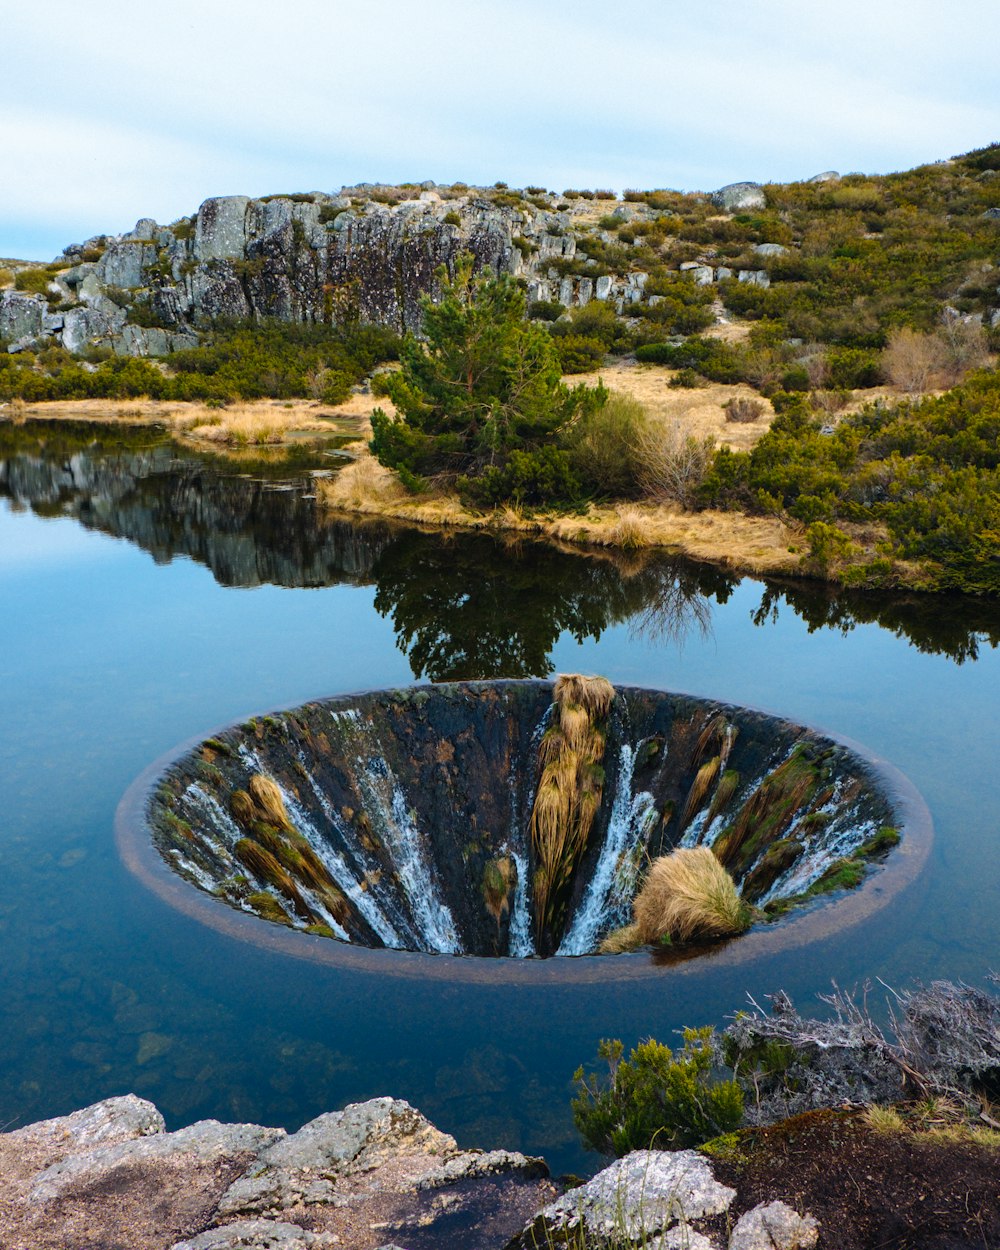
{"x":612,"y":883}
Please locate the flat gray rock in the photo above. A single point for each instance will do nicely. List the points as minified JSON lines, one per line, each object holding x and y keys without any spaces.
{"x":101,"y":1124}
{"x":646,"y":1193}
{"x":360,"y":1138}
{"x":738,"y":197}
{"x":474,"y":1164}
{"x":255,"y":1235}
{"x":206,"y":1142}
{"x":774,"y":1226}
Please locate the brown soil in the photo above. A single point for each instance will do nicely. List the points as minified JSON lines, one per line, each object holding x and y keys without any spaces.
{"x":869,"y":1190}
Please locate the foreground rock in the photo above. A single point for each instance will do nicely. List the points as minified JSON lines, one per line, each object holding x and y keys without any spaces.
{"x":376,"y":1173}
{"x":648,"y":1194}
{"x":379,"y":1176}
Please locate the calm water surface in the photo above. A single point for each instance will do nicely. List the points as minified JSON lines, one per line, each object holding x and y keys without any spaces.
{"x":147,"y":597}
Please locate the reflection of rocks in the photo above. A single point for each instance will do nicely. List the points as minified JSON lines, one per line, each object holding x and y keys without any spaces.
{"x":465,"y":606}
{"x":248,"y":531}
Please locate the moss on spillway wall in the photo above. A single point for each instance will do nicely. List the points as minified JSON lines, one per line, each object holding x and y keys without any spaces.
{"x":401,"y":818}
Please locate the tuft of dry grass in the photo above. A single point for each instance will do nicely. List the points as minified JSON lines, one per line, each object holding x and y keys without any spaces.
{"x":629,"y":531}
{"x":364,"y":485}
{"x":620,"y":941}
{"x":724,"y":791}
{"x":267,"y":796}
{"x":243,"y":808}
{"x":936,"y":1119}
{"x":699,"y":788}
{"x":688,"y":894}
{"x":594,"y":694}
{"x":265,"y":867}
{"x":568,"y":796}
{"x":884,"y":1120}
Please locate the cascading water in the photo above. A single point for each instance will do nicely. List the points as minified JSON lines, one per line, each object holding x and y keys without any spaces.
{"x":405,"y":815}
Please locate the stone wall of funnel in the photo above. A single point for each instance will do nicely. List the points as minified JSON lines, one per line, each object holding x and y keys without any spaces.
{"x":417,"y":802}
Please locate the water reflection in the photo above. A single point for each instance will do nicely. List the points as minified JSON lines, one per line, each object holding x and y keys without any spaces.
{"x":462,"y":605}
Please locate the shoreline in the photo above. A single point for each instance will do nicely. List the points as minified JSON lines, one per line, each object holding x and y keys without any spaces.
{"x":736,"y":541}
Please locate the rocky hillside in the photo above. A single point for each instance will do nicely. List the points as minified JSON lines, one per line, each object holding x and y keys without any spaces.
{"x":831,"y":259}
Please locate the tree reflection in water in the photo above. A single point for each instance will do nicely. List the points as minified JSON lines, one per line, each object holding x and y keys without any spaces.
{"x":471,"y":606}
{"x":462,"y":605}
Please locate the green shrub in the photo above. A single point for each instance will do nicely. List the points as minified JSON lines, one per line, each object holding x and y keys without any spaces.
{"x":545,"y":310}
{"x":482,"y":385}
{"x":528,"y":478}
{"x":854,"y":368}
{"x":604,"y":447}
{"x":33,"y":281}
{"x":579,"y":353}
{"x":654,"y":1100}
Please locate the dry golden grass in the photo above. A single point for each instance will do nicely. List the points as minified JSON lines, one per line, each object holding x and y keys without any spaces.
{"x":688,"y":894}
{"x":754,"y":544}
{"x":263,"y":865}
{"x":267,"y":796}
{"x":698,"y":411}
{"x":258,"y":422}
{"x":699,"y":788}
{"x":942,"y":1120}
{"x":569,"y":790}
{"x":724,"y":791}
{"x":594,"y":694}
{"x":629,"y":532}
{"x":620,"y":941}
{"x":364,"y":486}
{"x":243,"y":808}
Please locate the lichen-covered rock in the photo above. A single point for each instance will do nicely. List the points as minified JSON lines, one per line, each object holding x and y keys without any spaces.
{"x":360,"y":1138}
{"x":124,"y":262}
{"x":221,"y":228}
{"x":256,"y":1235}
{"x":740,"y":197}
{"x":774,"y":1226}
{"x":89,"y":325}
{"x":754,"y":277}
{"x":21,"y":316}
{"x":206,"y":1142}
{"x":104,"y":1123}
{"x":638,"y":1197}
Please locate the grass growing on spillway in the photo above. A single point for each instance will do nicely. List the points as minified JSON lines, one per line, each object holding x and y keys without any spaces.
{"x":570,"y":788}
{"x":277,"y":855}
{"x":686,"y":895}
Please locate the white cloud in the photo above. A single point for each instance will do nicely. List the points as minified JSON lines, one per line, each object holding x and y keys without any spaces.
{"x":130,"y":111}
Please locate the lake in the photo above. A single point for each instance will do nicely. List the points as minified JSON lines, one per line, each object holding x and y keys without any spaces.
{"x":150,"y":595}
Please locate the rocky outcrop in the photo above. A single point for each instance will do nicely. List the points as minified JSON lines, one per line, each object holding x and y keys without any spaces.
{"x":740,"y":197}
{"x":367,"y":1176}
{"x":375,"y":1176}
{"x":367,"y":252}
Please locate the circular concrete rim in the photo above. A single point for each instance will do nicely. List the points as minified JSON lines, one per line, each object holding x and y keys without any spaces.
{"x":814,"y":922}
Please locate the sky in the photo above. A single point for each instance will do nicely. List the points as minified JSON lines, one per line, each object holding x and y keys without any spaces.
{"x":112,"y":110}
